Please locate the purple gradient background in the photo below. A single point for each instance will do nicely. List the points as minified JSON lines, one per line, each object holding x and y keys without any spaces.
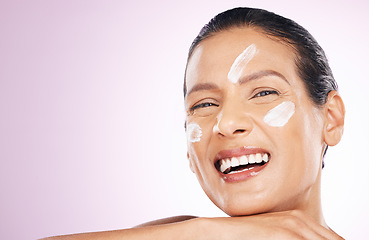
{"x":91,"y":126}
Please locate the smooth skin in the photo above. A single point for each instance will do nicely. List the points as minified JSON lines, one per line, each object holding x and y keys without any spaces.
{"x":231,"y":116}
{"x":281,"y":202}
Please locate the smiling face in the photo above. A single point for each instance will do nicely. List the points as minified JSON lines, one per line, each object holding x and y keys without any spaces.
{"x":258,"y":137}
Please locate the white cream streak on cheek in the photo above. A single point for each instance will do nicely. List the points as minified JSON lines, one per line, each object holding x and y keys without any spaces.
{"x":193,"y":132}
{"x":279,"y":116}
{"x":240,"y":63}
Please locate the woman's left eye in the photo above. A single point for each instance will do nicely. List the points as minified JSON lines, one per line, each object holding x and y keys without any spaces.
{"x":265,"y":93}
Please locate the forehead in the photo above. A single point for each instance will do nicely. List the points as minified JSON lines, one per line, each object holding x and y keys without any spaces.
{"x":214,"y":56}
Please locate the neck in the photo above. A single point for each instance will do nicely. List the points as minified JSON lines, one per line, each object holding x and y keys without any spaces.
{"x":308,"y":202}
{"x":312,"y":205}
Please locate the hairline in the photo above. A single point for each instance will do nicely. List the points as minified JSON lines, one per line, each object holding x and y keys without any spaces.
{"x":261,"y":30}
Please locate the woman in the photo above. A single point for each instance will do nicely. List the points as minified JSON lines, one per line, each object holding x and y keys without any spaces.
{"x":262,"y":108}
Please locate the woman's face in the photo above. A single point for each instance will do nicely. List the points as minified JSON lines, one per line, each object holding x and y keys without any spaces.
{"x":255,"y":139}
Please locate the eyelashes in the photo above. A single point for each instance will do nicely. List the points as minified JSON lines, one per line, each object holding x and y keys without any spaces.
{"x":265,"y":93}
{"x":209,"y":106}
{"x":203,"y":105}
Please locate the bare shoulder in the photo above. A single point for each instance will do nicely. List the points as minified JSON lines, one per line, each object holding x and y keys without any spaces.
{"x":117,"y":234}
{"x":174,"y":219}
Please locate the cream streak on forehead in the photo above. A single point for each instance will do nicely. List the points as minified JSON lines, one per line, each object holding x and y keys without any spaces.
{"x":193,"y":132}
{"x":279,"y":116}
{"x":240,"y":63}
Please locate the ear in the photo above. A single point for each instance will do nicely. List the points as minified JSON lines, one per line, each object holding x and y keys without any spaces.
{"x":190,"y":162}
{"x":334,"y":119}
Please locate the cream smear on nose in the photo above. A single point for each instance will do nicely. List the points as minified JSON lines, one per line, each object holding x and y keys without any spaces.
{"x":193,"y":132}
{"x":240,"y":63}
{"x":279,"y":116}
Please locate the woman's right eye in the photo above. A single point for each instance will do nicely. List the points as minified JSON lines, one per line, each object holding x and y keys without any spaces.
{"x":203,"y":105}
{"x":204,"y":109}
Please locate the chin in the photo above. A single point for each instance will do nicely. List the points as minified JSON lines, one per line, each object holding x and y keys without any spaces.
{"x":237,"y":207}
{"x":252,"y":204}
{"x":238,"y":212}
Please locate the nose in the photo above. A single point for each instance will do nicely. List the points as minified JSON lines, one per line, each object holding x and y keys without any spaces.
{"x":233,"y":121}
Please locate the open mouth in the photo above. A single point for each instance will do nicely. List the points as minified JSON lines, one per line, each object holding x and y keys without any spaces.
{"x":241,"y":163}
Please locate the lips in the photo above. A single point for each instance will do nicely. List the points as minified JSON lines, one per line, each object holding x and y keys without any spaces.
{"x":241,"y":163}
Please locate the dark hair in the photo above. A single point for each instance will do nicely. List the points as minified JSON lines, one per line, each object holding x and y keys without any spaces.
{"x":311,"y":62}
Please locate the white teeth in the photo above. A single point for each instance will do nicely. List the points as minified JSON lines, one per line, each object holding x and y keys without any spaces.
{"x":235,"y":162}
{"x":223,"y":166}
{"x":243,"y":160}
{"x":252,"y":158}
{"x":227,"y":163}
{"x":265,"y":157}
{"x":258,"y":158}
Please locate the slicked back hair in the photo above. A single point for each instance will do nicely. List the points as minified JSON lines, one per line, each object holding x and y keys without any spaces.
{"x":311,"y":61}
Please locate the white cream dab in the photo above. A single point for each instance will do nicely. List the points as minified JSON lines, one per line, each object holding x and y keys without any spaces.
{"x":193,"y":132}
{"x":279,"y":116}
{"x":240,"y":63}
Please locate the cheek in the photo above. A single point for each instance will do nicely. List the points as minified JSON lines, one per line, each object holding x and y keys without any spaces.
{"x":199,"y":136}
{"x":193,"y":133}
{"x":296,"y":131}
{"x":195,"y":145}
{"x":298,"y":147}
{"x":279,"y":116}
{"x":312,"y":138}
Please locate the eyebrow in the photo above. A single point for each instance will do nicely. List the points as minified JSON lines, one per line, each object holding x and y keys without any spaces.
{"x":260,"y":74}
{"x":242,"y":80}
{"x":202,"y":86}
